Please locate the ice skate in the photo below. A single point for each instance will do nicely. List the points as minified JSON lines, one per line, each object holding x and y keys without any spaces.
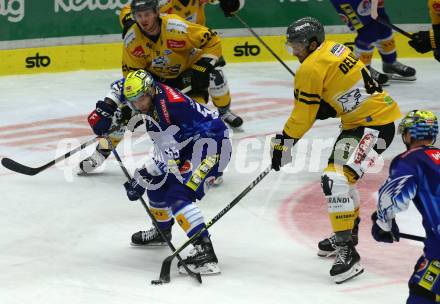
{"x":327,"y":247}
{"x":93,"y":161}
{"x":201,"y":258}
{"x":230,"y":118}
{"x":381,"y":79}
{"x":399,"y":71}
{"x":150,"y":237}
{"x":347,"y":263}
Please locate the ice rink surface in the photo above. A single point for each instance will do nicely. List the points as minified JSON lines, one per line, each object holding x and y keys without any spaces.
{"x":66,"y":239}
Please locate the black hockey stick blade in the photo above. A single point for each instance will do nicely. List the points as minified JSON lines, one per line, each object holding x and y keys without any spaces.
{"x":166,"y":264}
{"x":20,"y":168}
{"x":26,"y":170}
{"x":411,"y":237}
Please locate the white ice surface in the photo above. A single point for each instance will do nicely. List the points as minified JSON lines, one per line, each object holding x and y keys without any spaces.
{"x":65,"y":239}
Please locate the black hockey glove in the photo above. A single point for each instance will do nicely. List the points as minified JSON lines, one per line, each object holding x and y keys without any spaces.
{"x":381,"y":235}
{"x":101,"y":118}
{"x":201,"y":73}
{"x":421,"y":42}
{"x":230,"y":6}
{"x":281,"y":150}
{"x":425,"y":41}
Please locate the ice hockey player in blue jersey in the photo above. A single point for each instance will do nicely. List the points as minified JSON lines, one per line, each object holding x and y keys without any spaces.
{"x":415,"y":175}
{"x":371,"y":33}
{"x":191,"y":149}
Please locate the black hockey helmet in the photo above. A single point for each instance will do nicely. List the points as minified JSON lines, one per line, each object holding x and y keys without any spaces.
{"x":305,"y":30}
{"x":143,"y":5}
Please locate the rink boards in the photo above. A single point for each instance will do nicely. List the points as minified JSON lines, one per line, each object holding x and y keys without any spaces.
{"x":108,"y":55}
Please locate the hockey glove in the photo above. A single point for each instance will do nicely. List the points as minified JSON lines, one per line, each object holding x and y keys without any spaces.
{"x":281,"y":150}
{"x":101,"y":118}
{"x":143,"y":178}
{"x":381,"y":235}
{"x":117,"y":91}
{"x":421,"y":42}
{"x":425,"y":41}
{"x":201,"y":73}
{"x":231,"y":6}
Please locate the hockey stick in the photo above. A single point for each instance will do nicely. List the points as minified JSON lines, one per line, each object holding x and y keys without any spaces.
{"x":263,"y":43}
{"x":166,"y":264}
{"x":394,"y":27}
{"x":197,"y":276}
{"x":23,"y":169}
{"x":26,"y":170}
{"x":412,"y":237}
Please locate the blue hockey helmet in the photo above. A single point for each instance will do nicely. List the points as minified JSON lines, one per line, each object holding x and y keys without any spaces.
{"x":420,"y":124}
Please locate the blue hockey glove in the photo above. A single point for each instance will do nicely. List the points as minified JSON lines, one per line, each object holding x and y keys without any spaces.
{"x":381,"y":235}
{"x":101,"y":118}
{"x":281,"y":150}
{"x":144,"y":177}
{"x":136,"y":186}
{"x":117,"y":91}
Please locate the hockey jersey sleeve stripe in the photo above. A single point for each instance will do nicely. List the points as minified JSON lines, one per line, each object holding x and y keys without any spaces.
{"x":310,"y":95}
{"x":309,"y":102}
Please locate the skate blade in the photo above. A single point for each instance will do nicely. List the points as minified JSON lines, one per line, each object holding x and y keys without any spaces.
{"x":327,"y":254}
{"x":81,"y":172}
{"x":207,"y":269}
{"x":353,"y":272}
{"x":396,"y":77}
{"x":149,"y":245}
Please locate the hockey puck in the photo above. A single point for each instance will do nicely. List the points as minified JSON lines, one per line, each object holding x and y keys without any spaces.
{"x":156,"y":282}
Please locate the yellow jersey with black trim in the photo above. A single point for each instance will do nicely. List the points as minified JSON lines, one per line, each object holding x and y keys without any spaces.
{"x":178,"y":46}
{"x":434,"y":11}
{"x":331,"y":79}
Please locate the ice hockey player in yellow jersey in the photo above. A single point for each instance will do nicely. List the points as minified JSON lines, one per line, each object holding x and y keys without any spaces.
{"x":333,"y":82}
{"x":176,"y":52}
{"x":196,"y":61}
{"x":425,"y":41}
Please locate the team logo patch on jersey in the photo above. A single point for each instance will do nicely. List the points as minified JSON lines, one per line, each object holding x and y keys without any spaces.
{"x":338,"y":50}
{"x":186,"y":167}
{"x":138,"y":51}
{"x":178,"y":26}
{"x":434,"y":155}
{"x":173,"y":95}
{"x":422,"y":265}
{"x":129,"y":37}
{"x":175,"y":44}
{"x":436,"y":7}
{"x":167,"y":52}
